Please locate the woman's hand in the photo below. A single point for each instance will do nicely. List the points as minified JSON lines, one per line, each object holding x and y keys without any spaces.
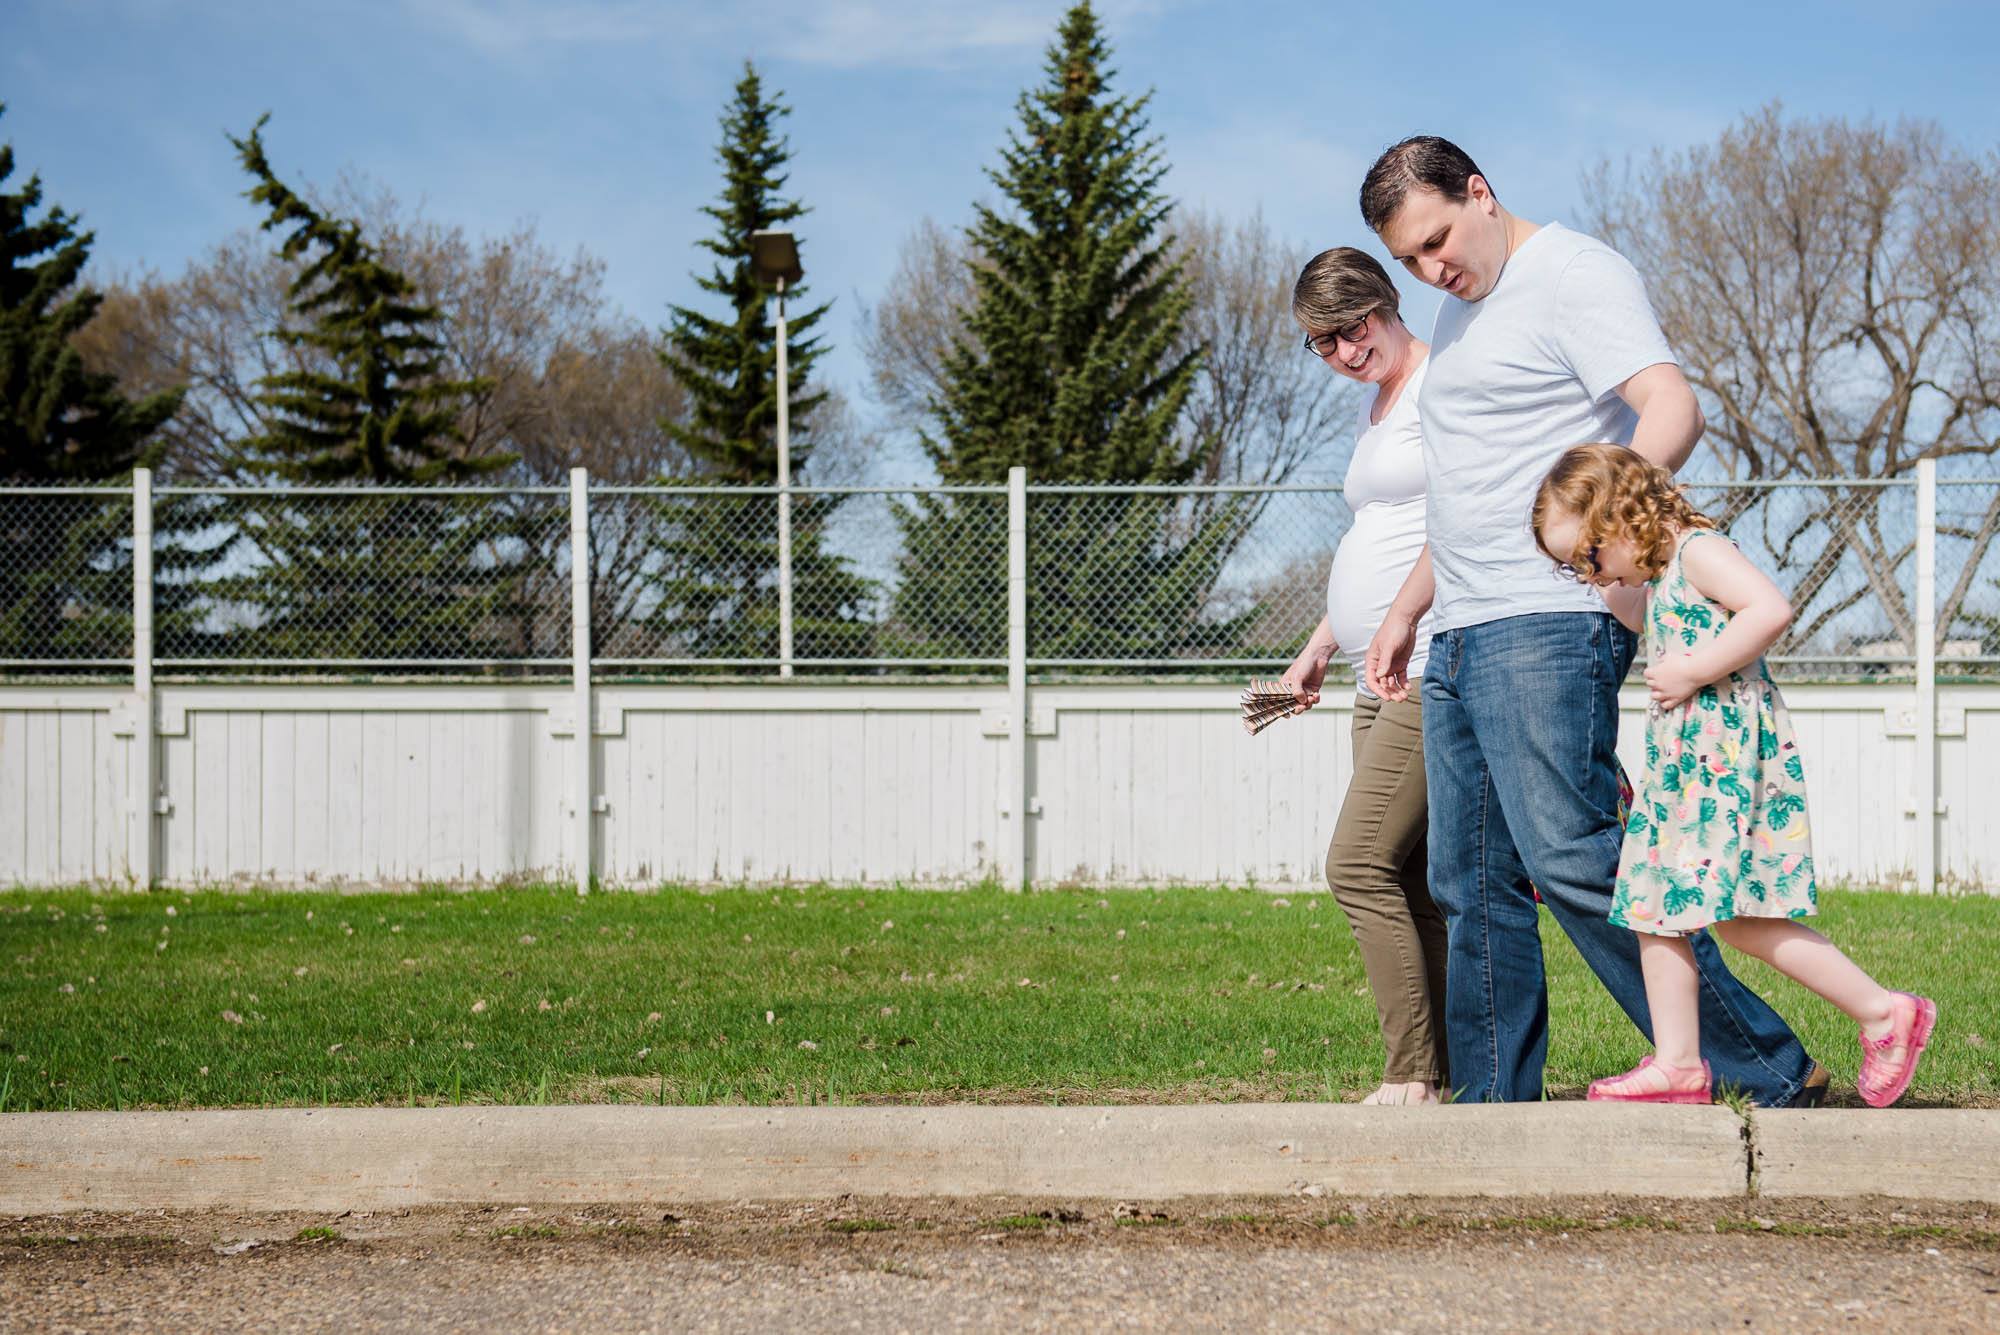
{"x":1305,"y":676}
{"x":1674,"y":680}
{"x":1308,"y":670}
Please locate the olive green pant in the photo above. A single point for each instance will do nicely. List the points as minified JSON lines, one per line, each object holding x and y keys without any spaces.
{"x":1375,"y":867}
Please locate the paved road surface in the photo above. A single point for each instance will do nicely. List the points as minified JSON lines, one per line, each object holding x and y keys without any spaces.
{"x":1020,"y":1266}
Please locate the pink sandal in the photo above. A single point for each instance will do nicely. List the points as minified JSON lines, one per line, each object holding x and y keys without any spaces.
{"x":1882,"y":1084}
{"x":1685,"y":1084}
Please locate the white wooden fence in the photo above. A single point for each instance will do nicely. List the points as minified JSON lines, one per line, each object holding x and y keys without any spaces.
{"x":383,"y":784}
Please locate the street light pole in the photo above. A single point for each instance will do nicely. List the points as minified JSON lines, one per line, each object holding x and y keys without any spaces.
{"x":784,"y":499}
{"x":774,"y":258}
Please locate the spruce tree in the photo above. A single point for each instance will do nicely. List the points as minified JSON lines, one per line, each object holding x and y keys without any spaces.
{"x":1068,"y":369}
{"x":719,"y":596}
{"x":364,"y":401}
{"x":65,"y":560}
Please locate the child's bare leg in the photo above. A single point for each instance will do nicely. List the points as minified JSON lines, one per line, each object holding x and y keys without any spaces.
{"x":1803,"y":955}
{"x":1674,"y":1073}
{"x":1673,"y":997}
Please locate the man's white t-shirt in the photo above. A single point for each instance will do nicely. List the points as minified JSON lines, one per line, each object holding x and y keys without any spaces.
{"x":1514,"y":380}
{"x":1384,"y":487}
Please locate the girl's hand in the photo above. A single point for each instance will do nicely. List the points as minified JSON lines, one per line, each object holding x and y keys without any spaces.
{"x":1674,"y":680}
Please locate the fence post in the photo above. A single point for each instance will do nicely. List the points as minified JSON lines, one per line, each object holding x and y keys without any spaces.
{"x":144,"y":780}
{"x":1926,"y":637}
{"x":1022,"y":852}
{"x":581,"y":796}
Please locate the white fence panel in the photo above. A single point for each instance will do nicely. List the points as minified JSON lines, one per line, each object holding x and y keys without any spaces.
{"x":1153,"y":784}
{"x":62,"y":787}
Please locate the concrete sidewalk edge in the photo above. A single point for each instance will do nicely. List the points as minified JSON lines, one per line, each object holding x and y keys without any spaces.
{"x":370,"y":1158}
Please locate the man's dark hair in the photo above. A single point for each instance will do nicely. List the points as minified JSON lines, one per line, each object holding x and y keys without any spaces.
{"x":1424,"y":161}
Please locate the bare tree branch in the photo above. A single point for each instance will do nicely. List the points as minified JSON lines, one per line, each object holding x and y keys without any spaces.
{"x":1833,"y":289}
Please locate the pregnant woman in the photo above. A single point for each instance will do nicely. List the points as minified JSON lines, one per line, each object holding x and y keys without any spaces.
{"x":1375,"y":864}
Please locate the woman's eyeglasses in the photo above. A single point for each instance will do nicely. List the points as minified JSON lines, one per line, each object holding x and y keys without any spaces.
{"x":1322,"y":345}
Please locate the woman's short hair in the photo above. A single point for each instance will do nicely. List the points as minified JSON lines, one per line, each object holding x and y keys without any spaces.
{"x":1339,"y":287}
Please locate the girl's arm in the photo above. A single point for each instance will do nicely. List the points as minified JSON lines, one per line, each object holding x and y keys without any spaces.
{"x":1627,"y":604}
{"x":1759,"y":613}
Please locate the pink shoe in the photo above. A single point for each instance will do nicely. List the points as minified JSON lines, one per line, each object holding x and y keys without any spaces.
{"x":1882,"y":1084}
{"x":1685,"y":1084}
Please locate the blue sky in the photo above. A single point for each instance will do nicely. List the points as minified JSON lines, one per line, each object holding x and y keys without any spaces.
{"x":597,"y":120}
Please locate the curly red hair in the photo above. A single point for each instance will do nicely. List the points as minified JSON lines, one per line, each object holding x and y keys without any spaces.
{"x":1616,"y":495}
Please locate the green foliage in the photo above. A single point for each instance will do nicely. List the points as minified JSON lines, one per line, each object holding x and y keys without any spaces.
{"x":1682,"y":896}
{"x":719,"y":597}
{"x":65,"y":561}
{"x":729,"y":366}
{"x":1068,"y":369}
{"x":58,"y":421}
{"x":368,"y":403}
{"x":364,"y":400}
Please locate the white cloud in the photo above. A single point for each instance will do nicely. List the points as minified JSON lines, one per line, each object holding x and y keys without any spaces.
{"x":843,"y":34}
{"x":514,"y":27}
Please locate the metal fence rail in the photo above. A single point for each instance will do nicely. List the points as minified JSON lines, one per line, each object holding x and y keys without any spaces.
{"x":693,"y":578}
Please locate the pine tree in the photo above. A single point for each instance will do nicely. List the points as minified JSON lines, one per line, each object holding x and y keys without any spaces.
{"x":365,"y":401}
{"x":1068,"y":369}
{"x":720,"y":596}
{"x":65,"y":560}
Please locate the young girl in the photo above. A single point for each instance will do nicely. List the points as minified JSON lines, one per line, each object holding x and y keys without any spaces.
{"x":1717,"y":836}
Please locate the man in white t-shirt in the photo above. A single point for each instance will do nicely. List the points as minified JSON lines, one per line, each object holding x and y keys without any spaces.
{"x":1545,"y":340}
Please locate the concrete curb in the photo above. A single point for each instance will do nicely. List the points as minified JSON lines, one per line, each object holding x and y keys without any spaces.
{"x":371,"y":1158}
{"x":366,"y":1158}
{"x":1921,"y":1153}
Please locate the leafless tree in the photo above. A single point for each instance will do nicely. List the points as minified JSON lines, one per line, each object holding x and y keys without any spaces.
{"x":1273,"y":408}
{"x":1833,"y":289}
{"x":206,"y":330}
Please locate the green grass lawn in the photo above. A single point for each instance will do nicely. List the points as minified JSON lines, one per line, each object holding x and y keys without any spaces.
{"x":228,"y":999}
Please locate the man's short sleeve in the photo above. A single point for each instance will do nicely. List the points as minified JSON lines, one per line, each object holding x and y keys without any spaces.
{"x":1604,"y":325}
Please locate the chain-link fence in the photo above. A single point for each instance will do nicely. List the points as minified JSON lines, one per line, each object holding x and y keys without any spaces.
{"x":1968,"y":576}
{"x":65,"y":577}
{"x":1164,"y":578}
{"x":695,"y":579}
{"x":1844,"y":552}
{"x":394,"y":577}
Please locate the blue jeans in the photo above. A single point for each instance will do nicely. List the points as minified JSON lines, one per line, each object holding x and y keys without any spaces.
{"x":1520,"y":721}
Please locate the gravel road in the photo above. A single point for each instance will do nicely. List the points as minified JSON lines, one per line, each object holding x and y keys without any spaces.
{"x":1020,"y":1266}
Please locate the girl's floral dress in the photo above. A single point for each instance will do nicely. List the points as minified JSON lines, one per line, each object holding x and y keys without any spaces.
{"x":1718,"y":828}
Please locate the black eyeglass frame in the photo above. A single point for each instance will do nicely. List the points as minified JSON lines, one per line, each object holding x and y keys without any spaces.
{"x":1350,"y":334}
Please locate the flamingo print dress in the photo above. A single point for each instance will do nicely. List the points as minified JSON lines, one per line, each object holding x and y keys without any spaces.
{"x":1718,"y":827}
